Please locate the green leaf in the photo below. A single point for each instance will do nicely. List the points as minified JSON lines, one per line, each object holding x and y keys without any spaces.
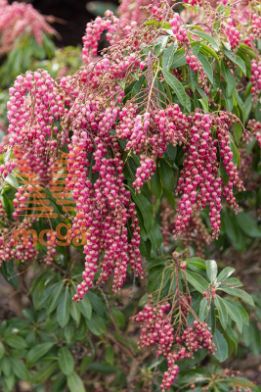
{"x":109,"y":355}
{"x":66,"y":361}
{"x":221,"y":353}
{"x":146,"y":210}
{"x":207,"y":66}
{"x":75,"y":383}
{"x":239,"y":382}
{"x":179,"y":58}
{"x":75,"y":312}
{"x":6,"y":366}
{"x":236,"y":60}
{"x":168,"y":56}
{"x":9,"y":382}
{"x":225,"y":273}
{"x":9,"y":273}
{"x":97,"y":304}
{"x":2,"y":350}
{"x":208,"y":38}
{"x":118,"y":317}
{"x":44,"y":373}
{"x":15,"y":341}
{"x":248,"y":225}
{"x":39,"y":351}
{"x":246,"y":108}
{"x":161,"y":44}
{"x":57,"y":290}
{"x":167,"y":178}
{"x":63,"y":308}
{"x":197,"y":281}
{"x":229,"y":78}
{"x":178,"y":89}
{"x":207,"y":51}
{"x":234,"y":149}
{"x":235,"y":292}
{"x":20,"y":369}
{"x":232,"y":282}
{"x":212,"y":269}
{"x":99,"y":7}
{"x":196,"y":263}
{"x":204,"y":104}
{"x":96,"y":325}
{"x":222,"y":311}
{"x":85,"y":308}
{"x":237,"y":313}
{"x":203,"y":309}
{"x":232,"y":230}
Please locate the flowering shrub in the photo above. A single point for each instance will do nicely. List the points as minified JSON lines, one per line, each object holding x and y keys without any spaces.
{"x":24,"y":38}
{"x":152,"y":128}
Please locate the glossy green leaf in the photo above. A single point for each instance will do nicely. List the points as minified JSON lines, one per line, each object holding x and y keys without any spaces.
{"x":45,"y":372}
{"x":39,"y":351}
{"x":212,"y":270}
{"x":56,"y":292}
{"x":211,"y":40}
{"x":236,"y":60}
{"x":222,"y":311}
{"x":63,"y":308}
{"x":75,"y":312}
{"x":237,"y":313}
{"x":197,"y":281}
{"x":225,"y":273}
{"x":221,"y":353}
{"x":168,"y":56}
{"x":207,"y":66}
{"x":248,"y":225}
{"x":15,"y":341}
{"x":75,"y":383}
{"x":66,"y":361}
{"x":85,"y":308}
{"x":204,"y":309}
{"x":2,"y":350}
{"x":178,"y":89}
{"x":20,"y":369}
{"x":243,"y":295}
{"x":96,"y":325}
{"x":179,"y":58}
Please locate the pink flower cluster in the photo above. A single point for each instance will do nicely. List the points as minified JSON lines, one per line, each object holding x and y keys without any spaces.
{"x":192,"y":2}
{"x":93,"y":33}
{"x":17,"y":19}
{"x":256,"y":78}
{"x":194,"y":338}
{"x":144,"y":172}
{"x":178,"y":29}
{"x":103,"y":204}
{"x":193,"y":62}
{"x":199,"y":184}
{"x":223,"y":123}
{"x":6,"y":168}
{"x":34,"y":107}
{"x":149,"y":134}
{"x":15,"y":245}
{"x":232,"y":33}
{"x":156,"y":330}
{"x":255,"y":127}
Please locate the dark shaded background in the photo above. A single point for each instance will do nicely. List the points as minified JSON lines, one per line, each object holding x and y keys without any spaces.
{"x":74,"y":15}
